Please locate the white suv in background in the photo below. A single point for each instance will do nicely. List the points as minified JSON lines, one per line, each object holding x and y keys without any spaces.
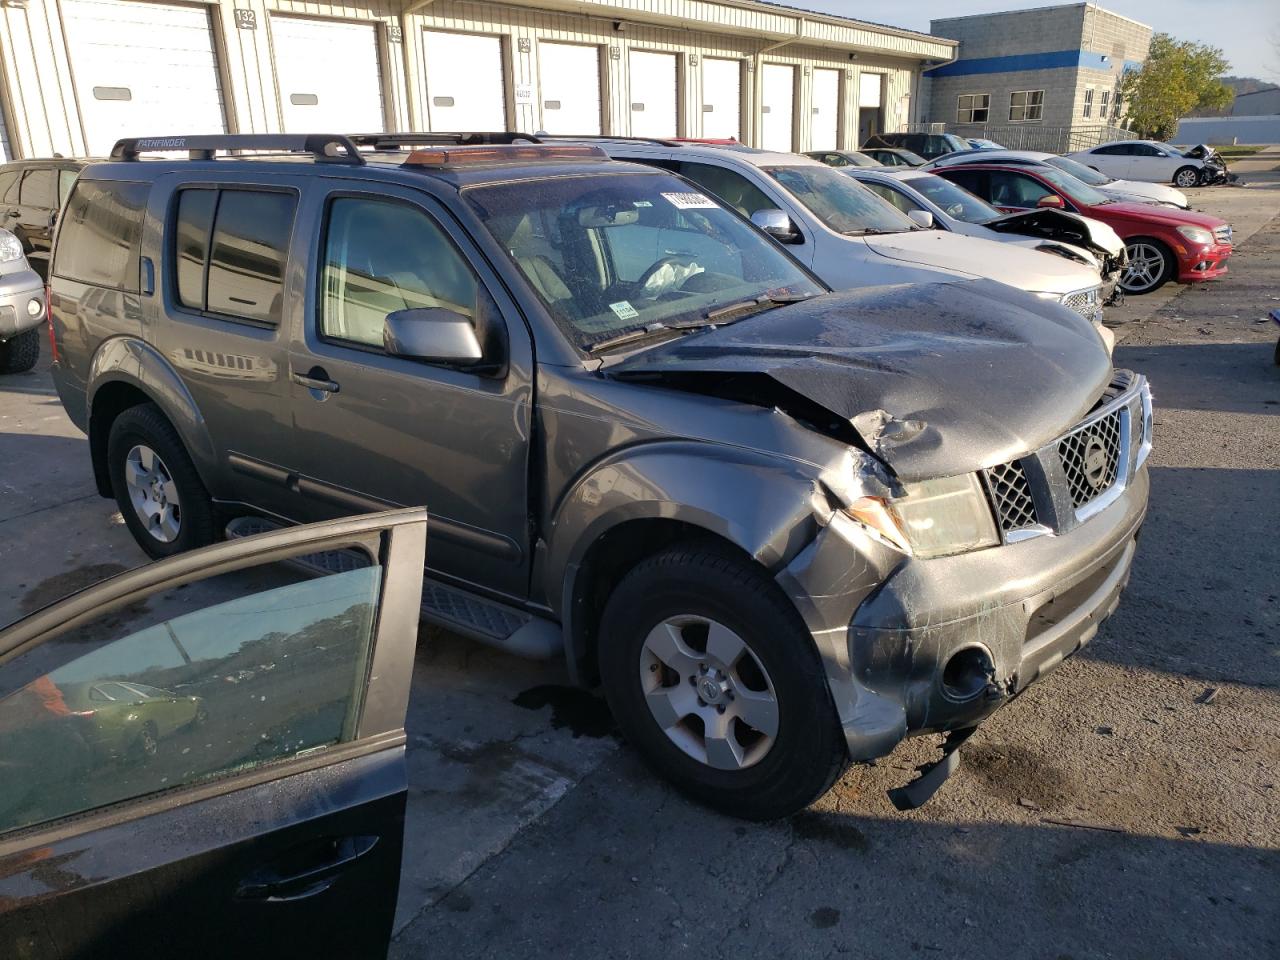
{"x":1133,"y":191}
{"x":849,"y":236}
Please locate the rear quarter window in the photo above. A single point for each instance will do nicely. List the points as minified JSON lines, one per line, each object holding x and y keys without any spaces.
{"x":99,"y":235}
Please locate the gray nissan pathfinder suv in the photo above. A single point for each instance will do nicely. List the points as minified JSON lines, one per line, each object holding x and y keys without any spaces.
{"x":783,"y":528}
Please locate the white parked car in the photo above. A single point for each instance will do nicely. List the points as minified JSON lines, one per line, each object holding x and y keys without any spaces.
{"x":850,"y":237}
{"x":1132,"y":191}
{"x":22,"y":308}
{"x":1150,"y":161}
{"x":952,"y":208}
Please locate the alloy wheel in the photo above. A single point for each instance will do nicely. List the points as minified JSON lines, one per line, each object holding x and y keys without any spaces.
{"x":708,"y":692}
{"x":1145,"y":269}
{"x":153,"y":493}
{"x":1186,"y":178}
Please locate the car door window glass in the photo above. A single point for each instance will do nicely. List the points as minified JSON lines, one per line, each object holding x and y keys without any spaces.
{"x":193,"y":697}
{"x":1015,"y":190}
{"x":1115,"y":150}
{"x":731,"y":187}
{"x":66,"y":179}
{"x":381,"y":257}
{"x":101,"y":228}
{"x":893,"y":196}
{"x":38,"y":189}
{"x":250,"y":245}
{"x":191,"y":244}
{"x":9,"y":185}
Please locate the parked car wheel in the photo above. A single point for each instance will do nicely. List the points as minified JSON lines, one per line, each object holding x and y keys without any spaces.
{"x":19,"y":354}
{"x":1186,"y":177}
{"x":712,"y":675}
{"x":1150,"y":265}
{"x":161,"y":497}
{"x":148,"y":743}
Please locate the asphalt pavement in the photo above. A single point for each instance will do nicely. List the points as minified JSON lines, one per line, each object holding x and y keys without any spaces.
{"x":1126,"y":806}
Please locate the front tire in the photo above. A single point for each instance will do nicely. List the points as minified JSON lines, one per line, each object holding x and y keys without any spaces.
{"x":1186,"y":177}
{"x":1150,"y":266}
{"x":19,"y":354}
{"x":160,"y":495}
{"x":713,"y":677}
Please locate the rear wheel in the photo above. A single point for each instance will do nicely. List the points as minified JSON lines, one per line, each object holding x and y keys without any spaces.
{"x":19,"y":354}
{"x":1150,"y":266}
{"x":714,"y":678}
{"x":1186,"y":177}
{"x":161,"y":497}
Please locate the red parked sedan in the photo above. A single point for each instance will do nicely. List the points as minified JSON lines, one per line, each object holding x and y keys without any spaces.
{"x":1163,"y":243}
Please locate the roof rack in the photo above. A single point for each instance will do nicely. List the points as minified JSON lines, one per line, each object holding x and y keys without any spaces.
{"x":388,"y":141}
{"x":323,"y":147}
{"x":668,"y":142}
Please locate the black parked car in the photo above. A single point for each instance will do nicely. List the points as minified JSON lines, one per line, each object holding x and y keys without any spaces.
{"x":928,"y":145}
{"x":31,"y":194}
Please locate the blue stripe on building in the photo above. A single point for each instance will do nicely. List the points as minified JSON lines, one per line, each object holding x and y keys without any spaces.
{"x":1051,"y":60}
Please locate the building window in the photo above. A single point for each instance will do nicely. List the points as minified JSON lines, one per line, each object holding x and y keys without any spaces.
{"x":1026,"y":105}
{"x":1104,"y":110}
{"x":1088,"y":102}
{"x":973,"y":108}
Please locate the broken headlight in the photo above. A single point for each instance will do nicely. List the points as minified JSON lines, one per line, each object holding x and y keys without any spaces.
{"x":935,"y":518}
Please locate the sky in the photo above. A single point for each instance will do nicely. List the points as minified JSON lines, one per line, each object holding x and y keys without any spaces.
{"x":1248,"y":31}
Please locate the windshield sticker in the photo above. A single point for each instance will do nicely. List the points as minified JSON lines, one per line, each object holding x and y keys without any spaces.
{"x":624,"y":310}
{"x":641,"y":203}
{"x":690,"y":201}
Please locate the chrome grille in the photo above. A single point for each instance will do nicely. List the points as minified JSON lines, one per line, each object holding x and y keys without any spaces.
{"x":1222,"y":234}
{"x":1083,"y":302}
{"x":1091,"y":458}
{"x":1011,"y":496}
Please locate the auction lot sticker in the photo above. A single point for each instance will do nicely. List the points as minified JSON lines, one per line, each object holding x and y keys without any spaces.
{"x":690,"y":201}
{"x":624,"y":310}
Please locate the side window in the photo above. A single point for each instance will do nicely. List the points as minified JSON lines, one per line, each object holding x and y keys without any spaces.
{"x":38,"y":189}
{"x":250,"y":245}
{"x":382,"y":256}
{"x":66,"y":179}
{"x":191,"y":244}
{"x":975,"y":181}
{"x":893,"y":196}
{"x":98,"y":239}
{"x":733,"y":188}
{"x":835,"y":160}
{"x":1145,"y":150}
{"x":1015,"y":190}
{"x":9,"y":185}
{"x":196,"y":696}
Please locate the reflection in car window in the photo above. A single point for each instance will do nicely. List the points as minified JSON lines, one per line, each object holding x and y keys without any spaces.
{"x":381,"y":257}
{"x":203,"y":695}
{"x":612,"y":254}
{"x":100,"y":231}
{"x":955,"y":201}
{"x":250,"y":245}
{"x":896,"y":197}
{"x":839,"y":201}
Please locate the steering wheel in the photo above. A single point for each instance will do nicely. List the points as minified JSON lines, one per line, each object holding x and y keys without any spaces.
{"x":649,"y":283}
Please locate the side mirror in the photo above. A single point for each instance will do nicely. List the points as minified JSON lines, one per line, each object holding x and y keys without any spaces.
{"x":1051,"y":200}
{"x":777,"y":225}
{"x":431,"y":333}
{"x":921,"y":218}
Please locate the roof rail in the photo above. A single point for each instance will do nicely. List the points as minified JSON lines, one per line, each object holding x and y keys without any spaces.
{"x":387,"y":141}
{"x":323,"y":147}
{"x":668,"y":142}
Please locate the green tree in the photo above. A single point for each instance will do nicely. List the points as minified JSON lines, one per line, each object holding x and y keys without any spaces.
{"x":1179,"y":76}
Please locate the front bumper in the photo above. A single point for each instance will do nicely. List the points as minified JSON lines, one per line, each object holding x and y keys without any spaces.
{"x":1203,"y":263}
{"x":17,"y":290}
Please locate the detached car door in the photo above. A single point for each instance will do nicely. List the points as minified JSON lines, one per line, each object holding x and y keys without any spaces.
{"x":204,"y":757}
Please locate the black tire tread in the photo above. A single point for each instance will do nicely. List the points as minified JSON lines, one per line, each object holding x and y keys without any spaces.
{"x":19,"y":354}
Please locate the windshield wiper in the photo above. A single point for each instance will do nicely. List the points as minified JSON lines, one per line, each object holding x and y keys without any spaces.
{"x":876,"y":231}
{"x":716,"y":314}
{"x":632,"y":336}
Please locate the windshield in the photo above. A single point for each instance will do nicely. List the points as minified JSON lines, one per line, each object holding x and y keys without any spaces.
{"x":840,"y":202}
{"x":1078,"y":170}
{"x":1075,"y":188}
{"x":860,"y":159}
{"x":621,"y":253}
{"x":955,"y":201}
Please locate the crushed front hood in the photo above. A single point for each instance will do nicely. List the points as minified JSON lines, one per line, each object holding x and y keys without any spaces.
{"x":1048,"y":224}
{"x":937,"y":379}
{"x":976,"y":257}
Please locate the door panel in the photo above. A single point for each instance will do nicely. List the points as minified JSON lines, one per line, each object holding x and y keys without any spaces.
{"x":653,"y":94}
{"x":569,"y":75}
{"x":328,"y":75}
{"x":721,"y":98}
{"x":402,"y":431}
{"x":779,"y":86}
{"x":255,"y":826}
{"x":465,"y":86}
{"x":826,"y":110}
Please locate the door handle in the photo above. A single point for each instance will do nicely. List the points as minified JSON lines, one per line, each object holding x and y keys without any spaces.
{"x":317,"y":378}
{"x":312,"y":869}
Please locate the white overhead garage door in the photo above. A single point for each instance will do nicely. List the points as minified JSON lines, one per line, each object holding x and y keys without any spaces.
{"x":778,"y":105}
{"x":653,"y":94}
{"x":328,"y":75}
{"x":465,"y":86}
{"x":826,"y":109}
{"x":142,"y":69}
{"x":721,"y":98}
{"x":569,"y":76}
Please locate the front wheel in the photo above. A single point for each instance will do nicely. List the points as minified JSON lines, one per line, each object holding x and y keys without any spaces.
{"x":714,"y":678}
{"x":1150,"y":266}
{"x":19,"y":354}
{"x":1186,"y":177}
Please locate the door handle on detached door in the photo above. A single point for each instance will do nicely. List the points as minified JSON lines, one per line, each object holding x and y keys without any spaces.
{"x":305,"y":871}
{"x":317,"y":380}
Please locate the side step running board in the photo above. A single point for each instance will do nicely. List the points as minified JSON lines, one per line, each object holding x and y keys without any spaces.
{"x":487,"y":621}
